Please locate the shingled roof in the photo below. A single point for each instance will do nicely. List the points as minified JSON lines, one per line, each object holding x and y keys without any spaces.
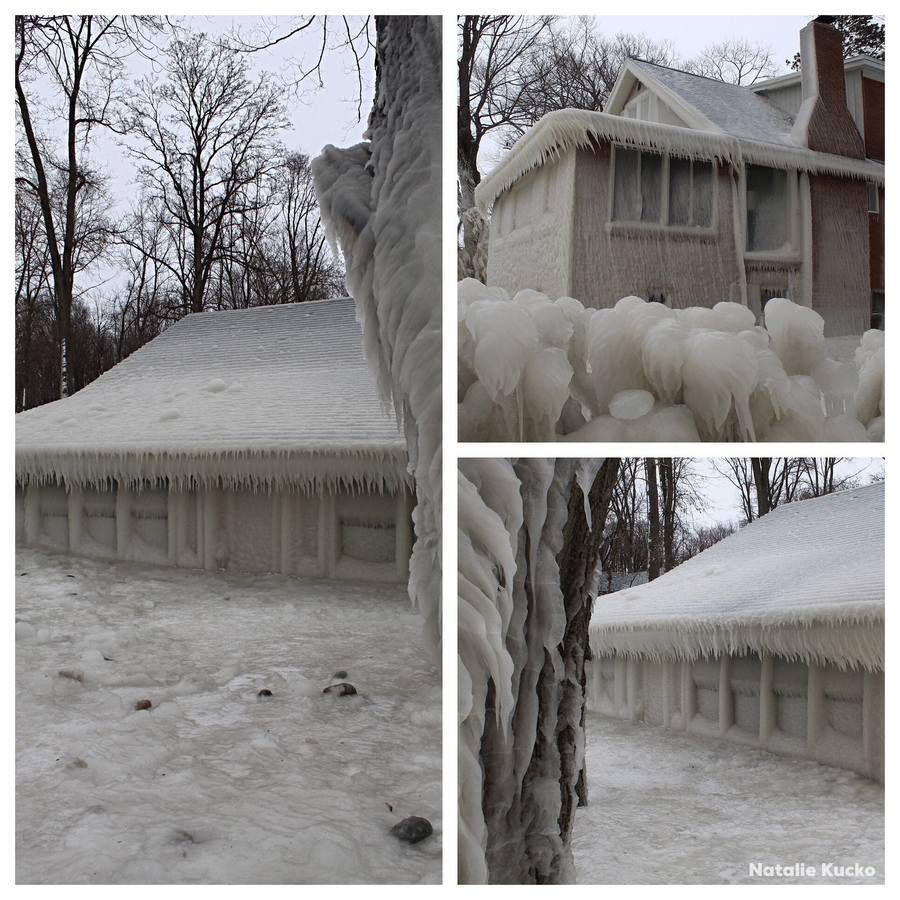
{"x":805,"y":581}
{"x":732,"y":108}
{"x":262,"y":396}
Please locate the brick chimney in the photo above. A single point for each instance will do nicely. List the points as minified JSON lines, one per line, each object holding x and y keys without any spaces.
{"x":824,"y":122}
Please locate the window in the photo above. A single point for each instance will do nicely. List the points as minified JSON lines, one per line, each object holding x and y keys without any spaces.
{"x":642,"y":181}
{"x":766,"y":208}
{"x":690,"y":192}
{"x":873,"y":197}
{"x":877,"y":319}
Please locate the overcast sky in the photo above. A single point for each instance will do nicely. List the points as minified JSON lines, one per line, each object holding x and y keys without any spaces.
{"x":691,"y":34}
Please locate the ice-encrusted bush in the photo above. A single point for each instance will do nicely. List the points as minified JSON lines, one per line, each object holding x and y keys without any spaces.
{"x":532,"y":368}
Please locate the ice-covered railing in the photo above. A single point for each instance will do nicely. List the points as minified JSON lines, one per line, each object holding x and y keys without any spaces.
{"x":532,"y":368}
{"x":564,"y":129}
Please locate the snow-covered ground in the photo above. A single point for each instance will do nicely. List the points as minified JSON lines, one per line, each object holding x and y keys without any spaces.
{"x":672,"y":808}
{"x":215,"y":784}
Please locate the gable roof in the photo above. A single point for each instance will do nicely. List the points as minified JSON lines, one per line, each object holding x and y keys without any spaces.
{"x":805,"y":581}
{"x":264,"y":396}
{"x":728,"y":108}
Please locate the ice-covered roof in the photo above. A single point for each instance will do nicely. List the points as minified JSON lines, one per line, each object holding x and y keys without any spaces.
{"x":271,"y":395}
{"x":732,"y":108}
{"x":564,"y":129}
{"x":805,"y":581}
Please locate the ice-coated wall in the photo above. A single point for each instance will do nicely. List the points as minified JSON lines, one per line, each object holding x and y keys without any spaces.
{"x":611,"y":260}
{"x":332,"y":534}
{"x":841,"y":282}
{"x":820,"y":712}
{"x":551,"y":232}
{"x":531,"y":230}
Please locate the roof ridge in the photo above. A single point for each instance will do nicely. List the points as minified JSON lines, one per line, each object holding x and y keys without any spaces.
{"x":244,"y":309}
{"x":648,"y":62}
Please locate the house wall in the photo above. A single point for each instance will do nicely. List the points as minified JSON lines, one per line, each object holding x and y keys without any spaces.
{"x":529,"y":245}
{"x":841,"y":283}
{"x":618,"y":259}
{"x":872,"y":92}
{"x":335,"y":535}
{"x":816,"y":712}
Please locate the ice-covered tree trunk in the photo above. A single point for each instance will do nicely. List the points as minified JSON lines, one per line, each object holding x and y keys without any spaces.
{"x":472,"y":256}
{"x":522,"y":639}
{"x":381,"y":202}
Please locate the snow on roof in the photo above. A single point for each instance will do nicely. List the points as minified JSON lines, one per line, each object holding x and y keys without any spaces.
{"x":733,"y":108}
{"x":270,"y":395}
{"x":564,"y":129}
{"x":805,"y":581}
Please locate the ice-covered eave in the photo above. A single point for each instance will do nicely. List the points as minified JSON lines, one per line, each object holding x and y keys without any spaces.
{"x":358,"y":469}
{"x":851,"y":638}
{"x":562,"y":130}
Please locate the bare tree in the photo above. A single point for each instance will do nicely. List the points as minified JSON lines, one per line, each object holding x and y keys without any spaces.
{"x":576,"y":67}
{"x":81,"y":57}
{"x":734,"y":60}
{"x":201,"y":136}
{"x":762,"y":482}
{"x":350,"y":35}
{"x":821,"y":475}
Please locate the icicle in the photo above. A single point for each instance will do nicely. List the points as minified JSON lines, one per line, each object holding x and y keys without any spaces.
{"x":561,"y":130}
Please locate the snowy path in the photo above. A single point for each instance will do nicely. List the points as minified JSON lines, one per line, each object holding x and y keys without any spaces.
{"x":672,"y":808}
{"x":215,"y":784}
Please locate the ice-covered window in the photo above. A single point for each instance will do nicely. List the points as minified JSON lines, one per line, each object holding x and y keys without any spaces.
{"x":766,"y":208}
{"x":690,"y":192}
{"x":637,"y":193}
{"x":642,"y":181}
{"x":873,"y":197}
{"x":877,"y":319}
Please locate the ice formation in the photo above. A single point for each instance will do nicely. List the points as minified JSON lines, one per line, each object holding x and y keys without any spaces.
{"x":380,"y":201}
{"x":532,"y":368}
{"x":562,"y":129}
{"x":512,"y":705}
{"x":818,"y":599}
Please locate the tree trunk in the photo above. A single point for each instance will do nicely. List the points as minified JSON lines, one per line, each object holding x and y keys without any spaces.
{"x":579,"y":563}
{"x":667,"y":486}
{"x":653,"y":518}
{"x":760,"y":466}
